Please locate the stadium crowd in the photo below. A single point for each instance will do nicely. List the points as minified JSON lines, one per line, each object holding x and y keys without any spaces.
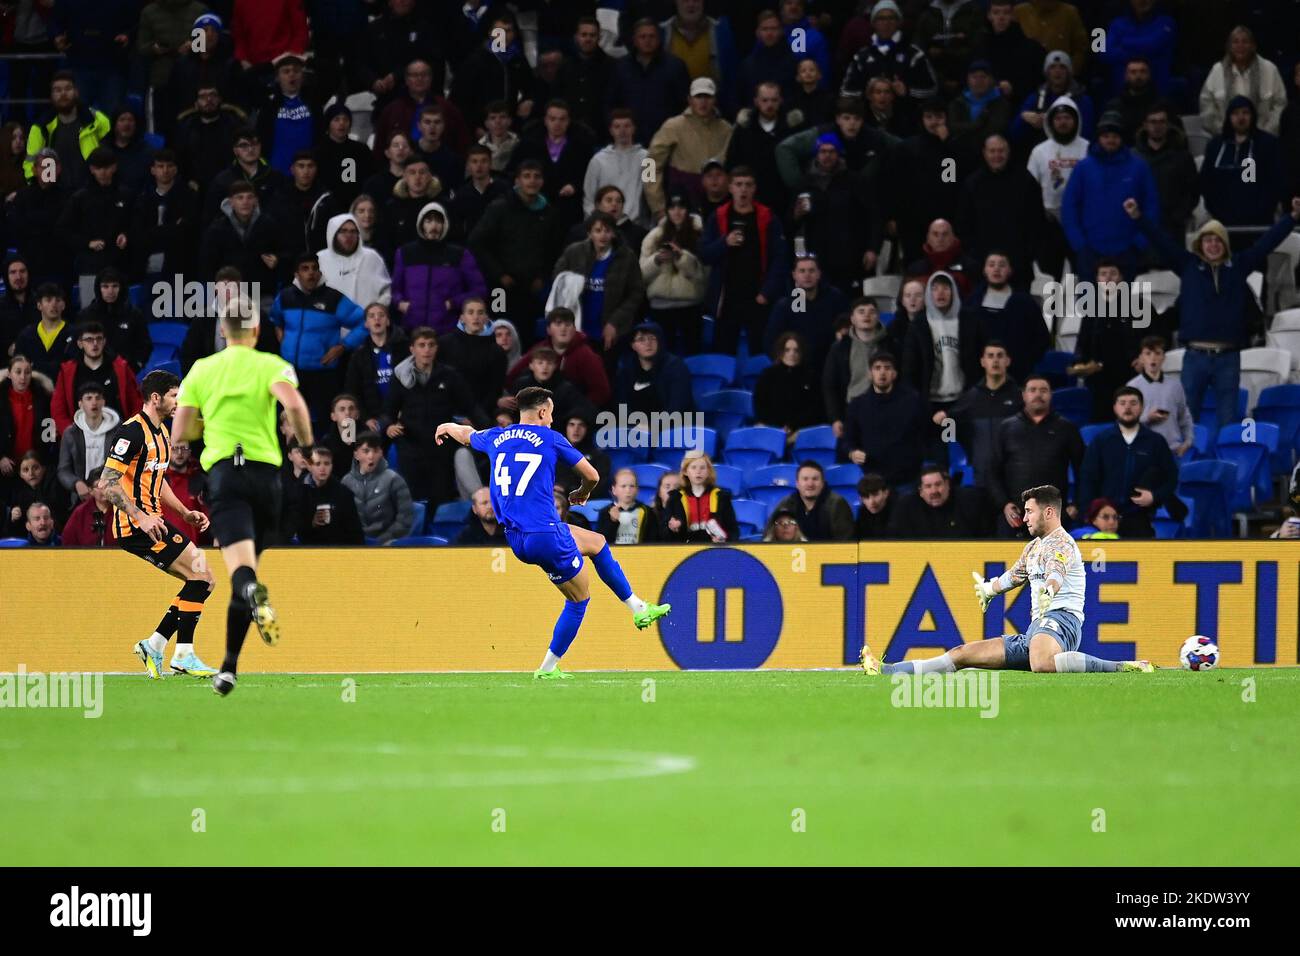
{"x":824,"y":226}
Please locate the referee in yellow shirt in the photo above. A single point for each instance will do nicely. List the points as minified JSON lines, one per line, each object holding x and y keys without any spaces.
{"x":229,"y":400}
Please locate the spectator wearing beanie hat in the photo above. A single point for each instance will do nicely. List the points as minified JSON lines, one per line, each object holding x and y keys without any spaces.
{"x":344,"y":163}
{"x":980,"y":110}
{"x":96,"y":222}
{"x":887,"y":54}
{"x":1092,"y":211}
{"x":1028,"y":128}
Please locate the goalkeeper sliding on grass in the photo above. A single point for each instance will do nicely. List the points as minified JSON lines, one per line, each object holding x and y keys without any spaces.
{"x":1052,"y":565}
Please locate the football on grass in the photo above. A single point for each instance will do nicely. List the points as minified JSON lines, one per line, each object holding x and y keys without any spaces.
{"x":1199,"y":653}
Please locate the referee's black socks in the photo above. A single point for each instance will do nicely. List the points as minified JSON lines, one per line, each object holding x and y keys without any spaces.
{"x":239,"y":615}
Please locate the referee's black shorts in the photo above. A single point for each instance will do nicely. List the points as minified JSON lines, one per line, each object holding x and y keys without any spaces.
{"x":244,"y":503}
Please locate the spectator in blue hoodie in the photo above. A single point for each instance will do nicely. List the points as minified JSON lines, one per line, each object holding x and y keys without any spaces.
{"x":1143,"y":33}
{"x":1212,"y":302}
{"x":316,"y":324}
{"x":1232,"y":197}
{"x":1092,"y":211}
{"x":651,"y":379}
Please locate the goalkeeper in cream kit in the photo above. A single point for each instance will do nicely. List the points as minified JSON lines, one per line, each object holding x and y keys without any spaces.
{"x":1053,"y":568}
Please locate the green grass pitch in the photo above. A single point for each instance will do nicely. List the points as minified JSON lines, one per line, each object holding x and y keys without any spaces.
{"x":721,"y":768}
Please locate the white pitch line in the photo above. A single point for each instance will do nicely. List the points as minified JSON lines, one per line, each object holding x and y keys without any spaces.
{"x":609,"y":766}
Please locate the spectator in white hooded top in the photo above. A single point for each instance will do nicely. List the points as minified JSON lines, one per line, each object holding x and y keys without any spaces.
{"x":350,"y":266}
{"x":619,"y":164}
{"x":1051,"y":162}
{"x":85,"y":442}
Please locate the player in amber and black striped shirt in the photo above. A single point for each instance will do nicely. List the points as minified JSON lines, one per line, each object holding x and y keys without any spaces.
{"x":134,"y":480}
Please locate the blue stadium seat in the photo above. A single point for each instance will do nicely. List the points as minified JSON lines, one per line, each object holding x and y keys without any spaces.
{"x":726,"y":410}
{"x":755,"y":447}
{"x":419,"y":541}
{"x":171,"y":365}
{"x":421,"y":509}
{"x":1089,"y":432}
{"x":1280,"y":405}
{"x":816,"y":443}
{"x":391,"y":455}
{"x":680,"y":441}
{"x":772,"y":483}
{"x":13,"y":542}
{"x":587,"y":511}
{"x":957,"y":455}
{"x":966,"y":474}
{"x":624,"y":458}
{"x":1254,"y":481}
{"x":751,"y":369}
{"x":1208,"y":414}
{"x":648,"y":475}
{"x":449,"y":518}
{"x":1074,"y":404}
{"x":1053,"y":365}
{"x":710,"y":372}
{"x":1202,"y":443}
{"x":1081,"y":532}
{"x":169,"y":333}
{"x":1207,"y":488}
{"x":161,"y":354}
{"x":755,"y":538}
{"x":1167,"y":529}
{"x":731,"y":478}
{"x":599,"y":504}
{"x":843,"y":480}
{"x":751,"y":515}
{"x":139,"y":296}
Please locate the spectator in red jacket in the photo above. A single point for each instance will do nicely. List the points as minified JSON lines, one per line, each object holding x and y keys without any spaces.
{"x":578,"y":360}
{"x":95,"y":364}
{"x":91,"y":522}
{"x":263,"y":29}
{"x":187,"y":481}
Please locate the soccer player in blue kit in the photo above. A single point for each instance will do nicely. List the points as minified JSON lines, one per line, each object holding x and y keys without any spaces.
{"x":523,"y":476}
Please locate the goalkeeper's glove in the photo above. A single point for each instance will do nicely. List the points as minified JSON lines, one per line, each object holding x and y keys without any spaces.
{"x":1045,"y":596}
{"x":983,"y":590}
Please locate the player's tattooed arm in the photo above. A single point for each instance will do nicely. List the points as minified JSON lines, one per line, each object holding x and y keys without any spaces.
{"x":110,"y":483}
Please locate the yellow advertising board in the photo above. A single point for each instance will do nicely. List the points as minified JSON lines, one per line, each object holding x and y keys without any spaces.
{"x":780,"y":606}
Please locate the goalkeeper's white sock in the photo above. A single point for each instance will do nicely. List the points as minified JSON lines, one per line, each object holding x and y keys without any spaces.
{"x":935,"y":665}
{"x":1071,"y":662}
{"x":157,"y":643}
{"x":549,"y":662}
{"x":635,"y":604}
